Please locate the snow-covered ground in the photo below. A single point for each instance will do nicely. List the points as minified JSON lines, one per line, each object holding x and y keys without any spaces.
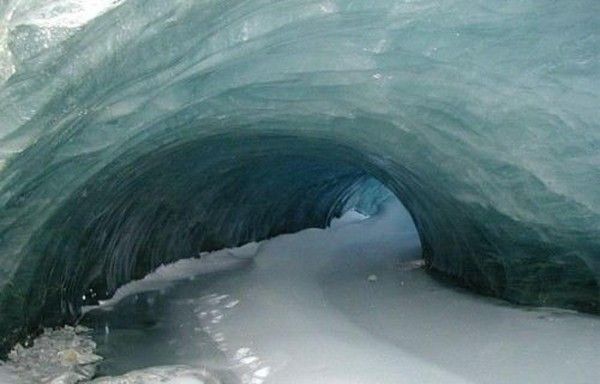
{"x":348,"y":304}
{"x":61,"y":356}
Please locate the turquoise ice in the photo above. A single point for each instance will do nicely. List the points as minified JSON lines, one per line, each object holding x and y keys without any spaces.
{"x":137,"y":132}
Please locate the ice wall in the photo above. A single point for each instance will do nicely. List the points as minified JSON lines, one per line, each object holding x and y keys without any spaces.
{"x":136,"y":132}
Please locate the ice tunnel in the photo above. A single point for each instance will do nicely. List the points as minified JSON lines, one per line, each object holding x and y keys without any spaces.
{"x":134,"y":132}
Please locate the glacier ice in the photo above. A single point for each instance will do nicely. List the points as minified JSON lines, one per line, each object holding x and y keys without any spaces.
{"x":135,"y":133}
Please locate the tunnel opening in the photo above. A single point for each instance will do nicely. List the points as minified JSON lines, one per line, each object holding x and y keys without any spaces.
{"x":368,"y":238}
{"x":181,"y":200}
{"x":171,"y":196}
{"x":136,"y":133}
{"x":168,"y":196}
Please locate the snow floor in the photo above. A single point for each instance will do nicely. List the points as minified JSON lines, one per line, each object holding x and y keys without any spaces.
{"x":348,"y":304}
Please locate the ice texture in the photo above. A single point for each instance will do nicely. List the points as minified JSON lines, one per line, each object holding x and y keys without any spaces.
{"x":175,"y":374}
{"x":138,"y":132}
{"x":61,"y":356}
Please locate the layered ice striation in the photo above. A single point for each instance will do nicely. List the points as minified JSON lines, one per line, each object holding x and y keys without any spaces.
{"x":134,"y":133}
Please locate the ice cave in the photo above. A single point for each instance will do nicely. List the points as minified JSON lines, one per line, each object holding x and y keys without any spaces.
{"x":299,"y":191}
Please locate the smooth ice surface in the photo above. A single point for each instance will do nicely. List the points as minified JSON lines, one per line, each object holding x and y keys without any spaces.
{"x":138,"y":132}
{"x":306,"y":311}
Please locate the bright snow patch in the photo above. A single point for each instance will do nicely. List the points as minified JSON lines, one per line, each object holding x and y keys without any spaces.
{"x":165,"y":275}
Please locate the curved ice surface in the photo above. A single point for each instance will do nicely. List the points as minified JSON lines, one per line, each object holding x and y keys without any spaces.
{"x":148,"y":131}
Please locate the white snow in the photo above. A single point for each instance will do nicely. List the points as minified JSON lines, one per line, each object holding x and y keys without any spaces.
{"x":286,"y":329}
{"x":165,"y":275}
{"x":351,"y":304}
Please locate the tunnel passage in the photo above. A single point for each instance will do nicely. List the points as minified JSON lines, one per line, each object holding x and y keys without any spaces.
{"x":225,"y":190}
{"x":207,"y":195}
{"x":184,"y":198}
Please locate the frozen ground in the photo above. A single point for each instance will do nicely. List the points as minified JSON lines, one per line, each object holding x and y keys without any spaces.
{"x":349,"y":304}
{"x":61,"y":356}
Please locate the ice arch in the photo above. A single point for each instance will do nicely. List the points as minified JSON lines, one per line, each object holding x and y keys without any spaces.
{"x":156,"y":126}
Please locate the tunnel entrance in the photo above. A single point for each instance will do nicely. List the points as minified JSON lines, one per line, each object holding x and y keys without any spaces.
{"x":148,"y":209}
{"x":151,"y":322}
{"x":201,"y":200}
